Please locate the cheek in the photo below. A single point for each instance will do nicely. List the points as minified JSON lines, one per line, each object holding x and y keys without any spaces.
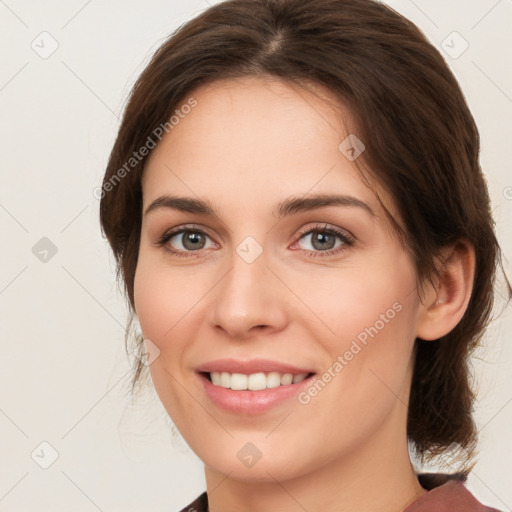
{"x":359,"y":303}
{"x":367,"y":377}
{"x":164,"y":299}
{"x":153,"y":303}
{"x":164,"y":307}
{"x":368,"y":328}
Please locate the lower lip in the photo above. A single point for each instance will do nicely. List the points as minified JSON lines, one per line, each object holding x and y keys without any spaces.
{"x":251,"y":402}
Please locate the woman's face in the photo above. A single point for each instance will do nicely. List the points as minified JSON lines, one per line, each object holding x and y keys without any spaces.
{"x":295,"y":264}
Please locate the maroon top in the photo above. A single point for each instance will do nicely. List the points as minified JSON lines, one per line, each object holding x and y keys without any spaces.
{"x":446,"y":493}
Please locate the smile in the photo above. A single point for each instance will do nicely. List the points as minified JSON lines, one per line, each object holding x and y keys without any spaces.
{"x":254,"y":381}
{"x":233,"y":392}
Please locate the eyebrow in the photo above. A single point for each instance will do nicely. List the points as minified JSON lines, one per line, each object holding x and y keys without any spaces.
{"x":284,"y":208}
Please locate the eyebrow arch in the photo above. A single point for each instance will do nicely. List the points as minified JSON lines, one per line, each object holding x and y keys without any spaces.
{"x":312,"y":202}
{"x":284,"y":208}
{"x":183,"y":204}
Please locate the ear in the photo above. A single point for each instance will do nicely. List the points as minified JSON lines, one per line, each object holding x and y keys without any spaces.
{"x":445,"y":301}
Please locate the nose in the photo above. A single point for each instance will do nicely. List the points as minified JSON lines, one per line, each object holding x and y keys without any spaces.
{"x":249,"y":300}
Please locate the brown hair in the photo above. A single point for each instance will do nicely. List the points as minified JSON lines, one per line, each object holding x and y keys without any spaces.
{"x":421,"y":142}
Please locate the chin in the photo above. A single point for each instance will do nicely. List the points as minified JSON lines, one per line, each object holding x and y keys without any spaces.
{"x":247,"y":464}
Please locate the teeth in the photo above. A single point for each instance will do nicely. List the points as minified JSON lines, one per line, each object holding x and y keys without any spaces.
{"x":255,"y":381}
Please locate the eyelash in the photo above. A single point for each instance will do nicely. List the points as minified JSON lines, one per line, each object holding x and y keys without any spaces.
{"x":347,"y":240}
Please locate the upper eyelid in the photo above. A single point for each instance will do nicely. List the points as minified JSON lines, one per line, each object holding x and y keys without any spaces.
{"x":324,"y":226}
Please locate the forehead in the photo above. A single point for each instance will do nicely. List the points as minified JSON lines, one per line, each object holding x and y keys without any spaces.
{"x":260,"y":119}
{"x":260,"y":138}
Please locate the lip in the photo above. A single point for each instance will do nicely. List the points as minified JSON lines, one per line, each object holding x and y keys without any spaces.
{"x":250,"y":402}
{"x":250,"y":366}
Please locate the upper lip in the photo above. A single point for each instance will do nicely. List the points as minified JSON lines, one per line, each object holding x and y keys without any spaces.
{"x":250,"y":366}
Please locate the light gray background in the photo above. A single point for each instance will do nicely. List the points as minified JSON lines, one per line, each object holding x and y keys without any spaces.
{"x":64,"y":373}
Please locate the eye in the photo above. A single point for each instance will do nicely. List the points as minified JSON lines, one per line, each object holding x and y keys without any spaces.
{"x":324,"y":240}
{"x":181,"y":241}
{"x":321,"y":240}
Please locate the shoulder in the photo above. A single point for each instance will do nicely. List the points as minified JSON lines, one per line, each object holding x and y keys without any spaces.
{"x":446,"y":493}
{"x":200,"y":504}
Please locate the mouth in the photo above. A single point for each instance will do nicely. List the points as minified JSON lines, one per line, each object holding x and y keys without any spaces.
{"x":253,"y":394}
{"x":254,"y":381}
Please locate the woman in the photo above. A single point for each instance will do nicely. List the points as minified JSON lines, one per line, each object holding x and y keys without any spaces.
{"x":303,"y":230}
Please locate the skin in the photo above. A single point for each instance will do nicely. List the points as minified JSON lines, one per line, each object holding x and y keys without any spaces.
{"x":247,"y":145}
